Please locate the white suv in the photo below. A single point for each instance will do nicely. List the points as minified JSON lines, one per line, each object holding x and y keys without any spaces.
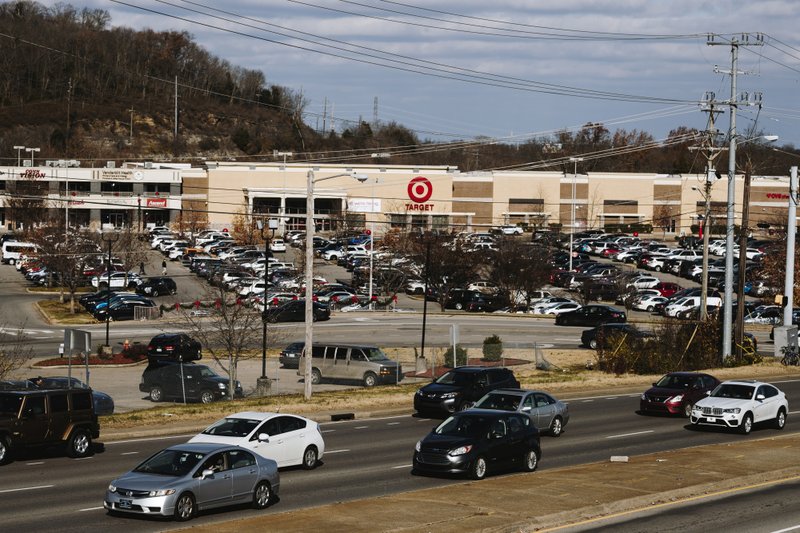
{"x":740,"y":404}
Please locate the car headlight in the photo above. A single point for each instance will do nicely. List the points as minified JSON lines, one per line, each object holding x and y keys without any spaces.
{"x":222,"y":385}
{"x":449,"y":395}
{"x":734,"y":410}
{"x":643,"y":396}
{"x":112,"y":488}
{"x":418,"y":446}
{"x":676,"y":399}
{"x":460,"y":450}
{"x":162,"y":492}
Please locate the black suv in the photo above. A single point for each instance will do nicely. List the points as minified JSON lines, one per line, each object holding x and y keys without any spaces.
{"x":167,"y":379}
{"x":157,"y":286}
{"x":462,"y":386}
{"x":175,"y":346}
{"x":33,"y":418}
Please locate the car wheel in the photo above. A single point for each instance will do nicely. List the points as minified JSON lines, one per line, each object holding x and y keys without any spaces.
{"x":206,"y":396}
{"x":184,"y":507}
{"x":687,"y":410}
{"x":556,"y":427}
{"x":459,"y":306}
{"x":478,"y":469}
{"x":156,"y":394}
{"x":155,"y":293}
{"x":530,"y":461}
{"x":310,"y":458}
{"x":780,"y":420}
{"x":262,"y":495}
{"x":79,"y":444}
{"x":593,"y":344}
{"x":103,"y":286}
{"x":316,"y":376}
{"x":657,"y":269}
{"x":747,"y":424}
{"x":370,"y":379}
{"x":650,"y":308}
{"x":5,"y":451}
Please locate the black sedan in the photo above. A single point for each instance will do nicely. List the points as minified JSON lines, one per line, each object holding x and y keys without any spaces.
{"x":601,"y":336}
{"x":157,"y":286}
{"x":295,"y":311}
{"x":123,"y":310}
{"x":591,"y":315}
{"x":475,"y":441}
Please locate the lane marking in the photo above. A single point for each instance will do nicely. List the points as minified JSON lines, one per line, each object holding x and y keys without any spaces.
{"x":36,"y":463}
{"x":336,"y":451}
{"x":361,"y":427}
{"x":630,"y":434}
{"x":791,"y":528}
{"x":27,"y":488}
{"x":393,"y":424}
{"x":168,"y":437}
{"x":129,"y":453}
{"x":401,"y":466}
{"x":587,"y":401}
{"x":327,"y":431}
{"x":90,"y":509}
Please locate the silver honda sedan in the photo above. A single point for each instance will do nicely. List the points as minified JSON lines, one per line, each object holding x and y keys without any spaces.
{"x":547,"y":413}
{"x":183,"y":479}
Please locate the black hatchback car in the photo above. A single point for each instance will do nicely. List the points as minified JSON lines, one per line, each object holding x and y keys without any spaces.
{"x":460,"y":387}
{"x":295,"y":311}
{"x":157,"y":287}
{"x":168,"y":380}
{"x":591,"y":315}
{"x":476,"y":441}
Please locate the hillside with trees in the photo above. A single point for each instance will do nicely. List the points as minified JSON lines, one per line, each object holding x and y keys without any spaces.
{"x":79,"y":88}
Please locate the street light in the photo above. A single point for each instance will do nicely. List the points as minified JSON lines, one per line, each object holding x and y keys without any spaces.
{"x":32,"y":151}
{"x":110,"y":238}
{"x":19,"y":149}
{"x":575,"y":160}
{"x":309,"y":304}
{"x":262,"y":384}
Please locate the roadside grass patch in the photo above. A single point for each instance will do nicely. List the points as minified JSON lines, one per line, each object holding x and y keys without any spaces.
{"x":57,"y":312}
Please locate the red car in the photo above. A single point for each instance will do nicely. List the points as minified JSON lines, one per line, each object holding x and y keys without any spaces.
{"x":667,"y":289}
{"x":610,"y":252}
{"x":676,"y":393}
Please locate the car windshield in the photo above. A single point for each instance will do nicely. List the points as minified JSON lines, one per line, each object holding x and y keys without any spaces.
{"x":464,"y":426}
{"x":729,"y":390}
{"x":10,"y":403}
{"x":375,"y":354}
{"x":501,"y":402}
{"x":170,"y":462}
{"x":232,"y":427}
{"x":207,"y":372}
{"x":674,"y":382}
{"x":455,"y":378}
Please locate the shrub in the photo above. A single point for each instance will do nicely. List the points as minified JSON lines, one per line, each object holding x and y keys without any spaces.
{"x":492,"y":348}
{"x":461,"y":356}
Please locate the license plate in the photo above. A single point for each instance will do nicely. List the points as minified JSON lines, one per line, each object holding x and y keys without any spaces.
{"x":125,"y":504}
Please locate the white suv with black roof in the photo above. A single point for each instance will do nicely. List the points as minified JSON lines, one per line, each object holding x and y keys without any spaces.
{"x":741,"y":403}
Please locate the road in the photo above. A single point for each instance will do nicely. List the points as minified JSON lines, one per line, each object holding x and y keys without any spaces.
{"x":364,"y":458}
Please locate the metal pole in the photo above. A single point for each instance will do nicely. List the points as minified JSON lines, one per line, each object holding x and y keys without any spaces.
{"x":706,"y":229}
{"x":108,"y":289}
{"x":264,"y":315}
{"x":309,"y":309}
{"x":791,"y":229}
{"x":425,"y":297}
{"x":742,"y":263}
{"x":729,"y":229}
{"x":575,"y":160}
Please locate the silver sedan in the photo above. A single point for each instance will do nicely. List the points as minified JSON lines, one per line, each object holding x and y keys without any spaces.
{"x":181,"y":480}
{"x":547,"y":413}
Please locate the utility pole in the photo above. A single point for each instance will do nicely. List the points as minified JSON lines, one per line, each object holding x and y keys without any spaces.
{"x":131,"y":110}
{"x":733,"y":103}
{"x":711,"y":152}
{"x":175,"y":134}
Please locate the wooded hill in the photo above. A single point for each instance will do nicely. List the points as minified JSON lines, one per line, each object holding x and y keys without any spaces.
{"x":71,"y":85}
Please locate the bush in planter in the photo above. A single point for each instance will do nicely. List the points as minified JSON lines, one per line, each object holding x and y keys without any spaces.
{"x":461,"y":356}
{"x":492,"y":348}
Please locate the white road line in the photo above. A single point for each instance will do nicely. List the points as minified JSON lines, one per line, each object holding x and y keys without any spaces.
{"x":90,"y":509}
{"x":83,"y":458}
{"x":168,"y":437}
{"x":401,"y":466}
{"x":361,"y":427}
{"x":36,"y":463}
{"x":630,"y":434}
{"x":611,"y":398}
{"x":26,"y":488}
{"x":336,"y":451}
{"x":328,"y":430}
{"x":393,"y":424}
{"x":129,"y":453}
{"x":793,"y":412}
{"x":792,"y":528}
{"x":587,"y":401}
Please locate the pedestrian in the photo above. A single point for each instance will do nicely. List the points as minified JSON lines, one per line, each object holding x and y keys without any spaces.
{"x":164,"y":267}
{"x":141,"y":269}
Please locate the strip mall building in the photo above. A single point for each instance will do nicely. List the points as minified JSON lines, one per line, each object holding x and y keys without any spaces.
{"x":389,"y":196}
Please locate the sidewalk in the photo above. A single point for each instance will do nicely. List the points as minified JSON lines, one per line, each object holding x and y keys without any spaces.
{"x":552,"y":498}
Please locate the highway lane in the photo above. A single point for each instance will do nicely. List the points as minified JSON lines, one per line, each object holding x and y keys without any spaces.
{"x":364,"y":458}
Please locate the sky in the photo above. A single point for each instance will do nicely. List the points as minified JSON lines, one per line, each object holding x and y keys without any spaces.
{"x":509,"y":70}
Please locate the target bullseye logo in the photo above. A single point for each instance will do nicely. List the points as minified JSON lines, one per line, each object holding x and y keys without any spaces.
{"x":420,"y":189}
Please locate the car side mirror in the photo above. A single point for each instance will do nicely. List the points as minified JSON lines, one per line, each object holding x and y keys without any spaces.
{"x":207,"y":473}
{"x":263,"y":437}
{"x":654,"y":384}
{"x":708,"y":393}
{"x":760,"y":397}
{"x":496,"y":435}
{"x":526,"y":409}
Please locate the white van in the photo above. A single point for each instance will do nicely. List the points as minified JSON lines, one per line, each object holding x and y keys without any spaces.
{"x":690,"y":302}
{"x":12,"y":250}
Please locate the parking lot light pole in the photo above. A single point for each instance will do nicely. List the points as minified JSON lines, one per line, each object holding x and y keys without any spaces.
{"x":262,"y":385}
{"x":109,"y":237}
{"x":32,"y":151}
{"x":19,"y":150}
{"x":575,"y":160}
{"x":309,"y":259}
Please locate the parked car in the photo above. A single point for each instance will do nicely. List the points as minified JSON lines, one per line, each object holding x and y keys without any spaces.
{"x":186,"y":478}
{"x":676,"y":393}
{"x":175,"y":346}
{"x":477,"y":441}
{"x":547,"y":413}
{"x":364,"y":363}
{"x":168,"y":380}
{"x":103,"y":403}
{"x":290,"y":440}
{"x":68,"y":416}
{"x":591,"y":315}
{"x":157,"y":286}
{"x":460,"y":387}
{"x":649,"y":303}
{"x":290,"y":356}
{"x":118,"y":280}
{"x":294,"y":311}
{"x":122,"y":310}
{"x":741,"y":403}
{"x":601,"y":336}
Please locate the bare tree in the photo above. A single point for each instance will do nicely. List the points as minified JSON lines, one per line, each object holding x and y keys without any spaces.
{"x":519,"y":268}
{"x":15,"y":350}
